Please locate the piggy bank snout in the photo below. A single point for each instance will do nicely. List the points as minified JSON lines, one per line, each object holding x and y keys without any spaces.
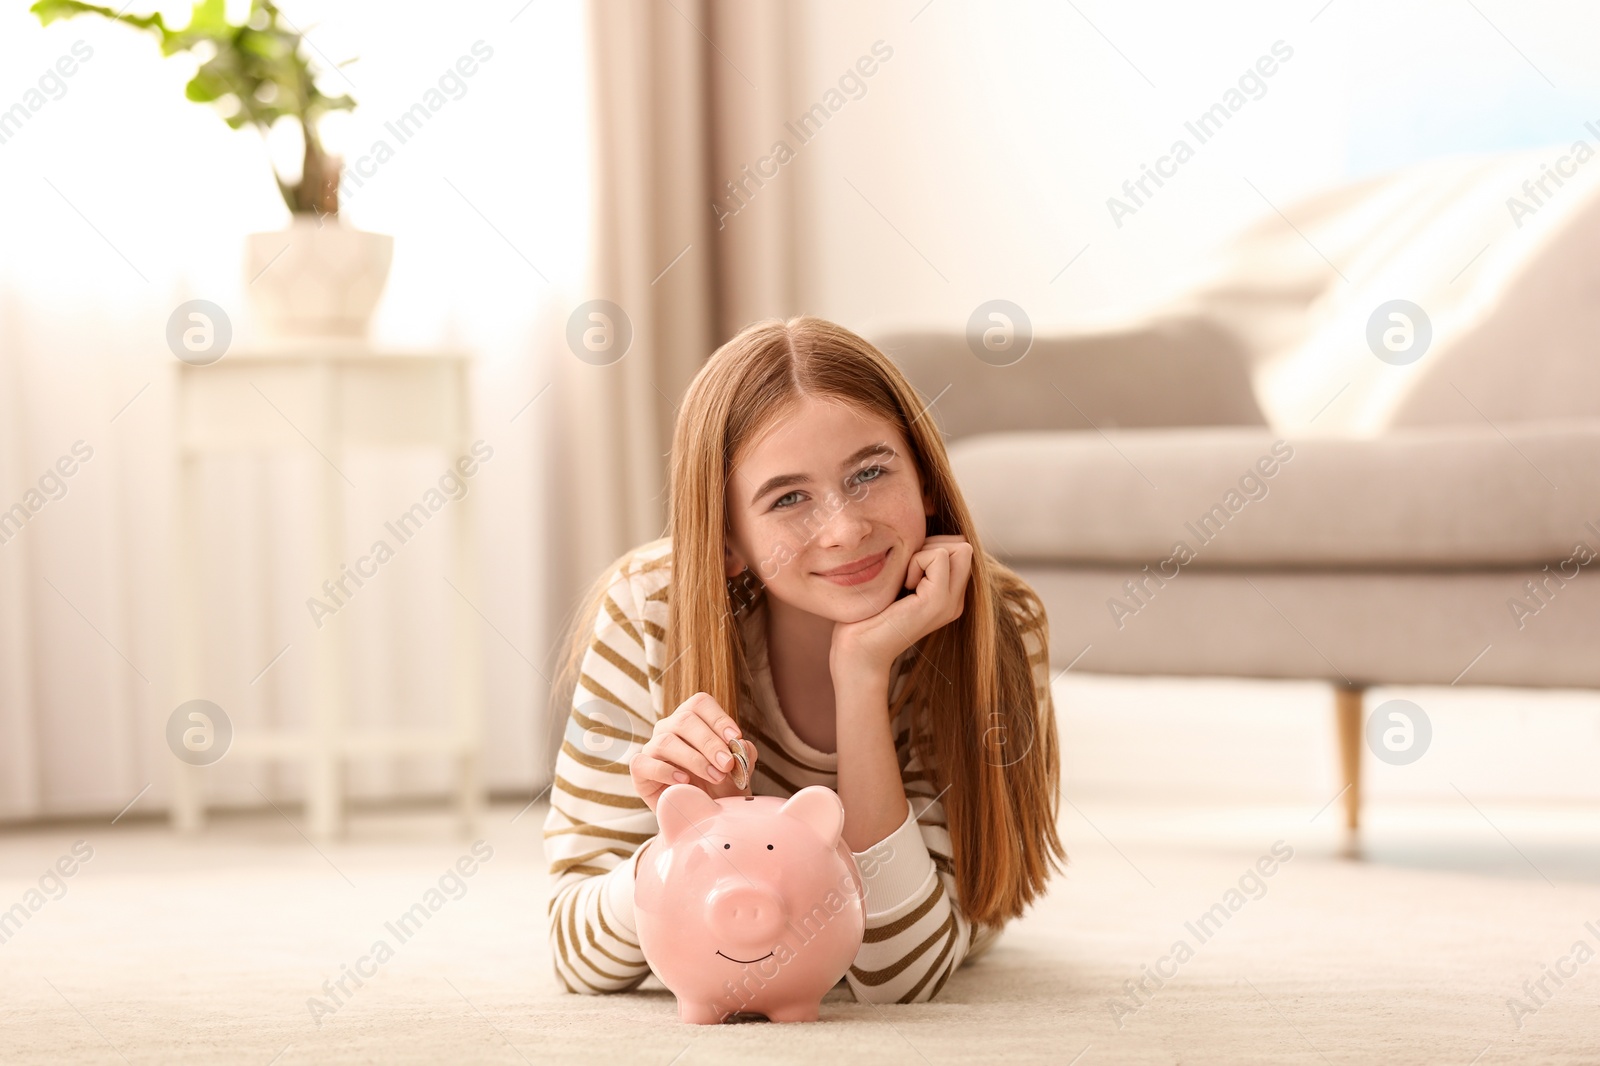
{"x":745,"y":912}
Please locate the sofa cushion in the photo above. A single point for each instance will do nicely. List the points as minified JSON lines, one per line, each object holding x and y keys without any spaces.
{"x":1175,"y":370}
{"x":1451,"y":497}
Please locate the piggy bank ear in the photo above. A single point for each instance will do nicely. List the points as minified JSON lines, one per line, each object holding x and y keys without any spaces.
{"x":818,"y":807}
{"x":680,"y":807}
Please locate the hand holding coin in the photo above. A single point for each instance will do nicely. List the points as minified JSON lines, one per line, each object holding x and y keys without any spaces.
{"x":698,"y":743}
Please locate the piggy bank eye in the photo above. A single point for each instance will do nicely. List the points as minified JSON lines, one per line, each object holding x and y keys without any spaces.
{"x":727,"y":845}
{"x":769,"y":847}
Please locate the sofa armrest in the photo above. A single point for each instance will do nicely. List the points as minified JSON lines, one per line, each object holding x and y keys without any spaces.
{"x":1176,"y":371}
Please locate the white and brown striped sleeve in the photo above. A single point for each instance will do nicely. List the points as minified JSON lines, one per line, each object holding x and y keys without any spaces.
{"x":917,"y":932}
{"x":597,"y":822}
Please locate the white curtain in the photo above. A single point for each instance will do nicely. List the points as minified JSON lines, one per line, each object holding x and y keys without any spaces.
{"x":119,"y":199}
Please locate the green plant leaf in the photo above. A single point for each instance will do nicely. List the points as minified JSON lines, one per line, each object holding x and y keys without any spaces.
{"x":51,"y":10}
{"x":209,"y":16}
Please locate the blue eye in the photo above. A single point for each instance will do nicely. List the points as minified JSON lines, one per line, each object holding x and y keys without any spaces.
{"x":778,"y":504}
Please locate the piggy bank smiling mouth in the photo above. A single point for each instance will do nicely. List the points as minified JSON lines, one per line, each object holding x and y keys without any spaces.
{"x":743,"y":962}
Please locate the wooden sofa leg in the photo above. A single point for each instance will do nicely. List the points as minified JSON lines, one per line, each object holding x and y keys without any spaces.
{"x":1347,"y":707}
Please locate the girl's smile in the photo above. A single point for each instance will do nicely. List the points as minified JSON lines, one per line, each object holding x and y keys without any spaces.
{"x":858,"y":572}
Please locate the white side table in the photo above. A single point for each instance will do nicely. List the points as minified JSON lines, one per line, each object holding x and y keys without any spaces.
{"x":329,"y":395}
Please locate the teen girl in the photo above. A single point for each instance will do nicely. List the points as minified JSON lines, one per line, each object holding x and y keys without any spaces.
{"x":821,"y":597}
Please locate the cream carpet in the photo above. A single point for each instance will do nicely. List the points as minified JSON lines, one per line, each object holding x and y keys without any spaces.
{"x":165,"y":950}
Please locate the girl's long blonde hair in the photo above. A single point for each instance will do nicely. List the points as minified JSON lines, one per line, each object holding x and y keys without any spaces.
{"x":972,"y":681}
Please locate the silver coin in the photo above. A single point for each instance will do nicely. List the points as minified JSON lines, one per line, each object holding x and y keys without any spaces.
{"x":741,"y":767}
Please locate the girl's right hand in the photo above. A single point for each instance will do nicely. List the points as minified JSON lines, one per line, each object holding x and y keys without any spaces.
{"x":690,"y":746}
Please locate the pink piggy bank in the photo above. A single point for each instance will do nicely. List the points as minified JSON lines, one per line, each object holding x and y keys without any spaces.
{"x":750,"y":903}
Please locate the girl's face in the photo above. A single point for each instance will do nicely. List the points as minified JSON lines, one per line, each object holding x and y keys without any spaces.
{"x":827,"y":486}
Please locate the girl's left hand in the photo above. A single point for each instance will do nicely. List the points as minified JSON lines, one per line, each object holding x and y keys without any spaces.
{"x":938,"y":578}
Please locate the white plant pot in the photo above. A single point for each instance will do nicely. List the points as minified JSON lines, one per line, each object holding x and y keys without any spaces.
{"x":318,"y":278}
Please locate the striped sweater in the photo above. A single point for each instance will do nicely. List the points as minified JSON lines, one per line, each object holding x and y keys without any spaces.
{"x":916,"y":932}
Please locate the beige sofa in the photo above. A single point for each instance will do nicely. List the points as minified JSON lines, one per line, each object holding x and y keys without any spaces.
{"x":1378,"y":533}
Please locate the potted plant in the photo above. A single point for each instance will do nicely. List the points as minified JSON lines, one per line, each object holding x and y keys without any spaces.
{"x":319,"y":277}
